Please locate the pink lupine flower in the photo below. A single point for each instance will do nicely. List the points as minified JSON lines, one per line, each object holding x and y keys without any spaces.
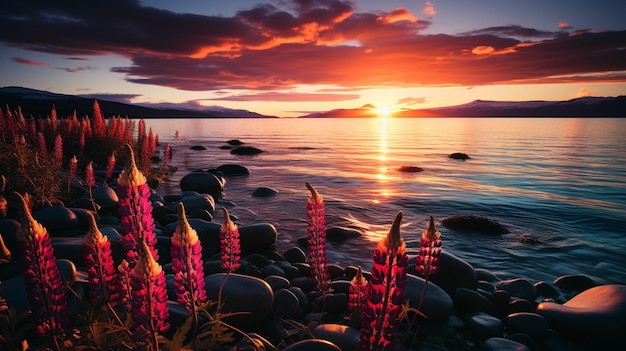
{"x":187,"y":264}
{"x":90,"y":179}
{"x":383,"y":313}
{"x":149,"y":304}
{"x":230,"y":247}
{"x":136,"y":211}
{"x":316,"y":240}
{"x":44,"y":286}
{"x":58,"y":150}
{"x":102,"y":276}
{"x":357,"y":295}
{"x":167,"y":154}
{"x":73,"y":167}
{"x":430,"y":250}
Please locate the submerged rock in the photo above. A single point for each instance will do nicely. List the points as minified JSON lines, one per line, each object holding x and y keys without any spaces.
{"x":246,"y":150}
{"x":264,"y":192}
{"x":459,"y":156}
{"x":472,"y":223}
{"x":410,"y":169}
{"x":202,"y":182}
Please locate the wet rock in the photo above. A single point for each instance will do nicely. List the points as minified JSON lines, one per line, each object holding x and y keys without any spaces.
{"x":546,"y":290}
{"x":484,"y":325}
{"x":531,"y":324}
{"x":258,"y":237}
{"x":596,"y":316}
{"x":345,"y":337}
{"x":235,"y":142}
{"x":286,"y":304}
{"x":295,"y":254}
{"x":58,"y":220}
{"x":202,"y":182}
{"x":105,"y":197}
{"x":197,"y":147}
{"x":486,"y":275}
{"x":437,"y":304}
{"x":233,"y":170}
{"x":69,"y":248}
{"x":574,"y":282}
{"x":521,"y":305}
{"x":194,"y":202}
{"x":208,"y":233}
{"x":519,"y":287}
{"x":277,"y":282}
{"x":242,"y":293}
{"x":410,"y":169}
{"x":246,"y":150}
{"x":459,"y":156}
{"x":472,"y":223}
{"x":454,"y":273}
{"x":340,"y":234}
{"x":9,"y":229}
{"x":335,"y":302}
{"x":471,"y":301}
{"x":502,"y":344}
{"x":312,"y":345}
{"x":264,"y":192}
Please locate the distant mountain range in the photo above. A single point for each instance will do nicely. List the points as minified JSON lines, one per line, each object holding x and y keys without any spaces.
{"x":580,"y":107}
{"x":39,"y":103}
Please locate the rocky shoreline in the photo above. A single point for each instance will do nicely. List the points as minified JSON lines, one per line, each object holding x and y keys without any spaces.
{"x":274,"y":294}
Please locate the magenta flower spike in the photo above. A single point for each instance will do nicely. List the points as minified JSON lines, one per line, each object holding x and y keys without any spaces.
{"x":58,"y":150}
{"x":90,"y":179}
{"x":230,"y":248}
{"x":73,"y":167}
{"x":430,"y":251}
{"x":187,"y":264}
{"x":123,"y":295}
{"x":316,"y":239}
{"x":102,"y":277}
{"x":41,"y":143}
{"x":149,"y":297}
{"x":383,"y":312}
{"x":357,"y":295}
{"x":135,"y":209}
{"x":109,"y":168}
{"x":44,"y":286}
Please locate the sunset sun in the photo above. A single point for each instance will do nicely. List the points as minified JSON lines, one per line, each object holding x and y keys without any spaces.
{"x":384,"y":112}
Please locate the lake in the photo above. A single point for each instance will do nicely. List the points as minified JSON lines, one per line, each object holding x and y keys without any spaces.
{"x":560,"y":180}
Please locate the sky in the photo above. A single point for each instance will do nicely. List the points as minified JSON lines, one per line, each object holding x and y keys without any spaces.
{"x":289,"y":58}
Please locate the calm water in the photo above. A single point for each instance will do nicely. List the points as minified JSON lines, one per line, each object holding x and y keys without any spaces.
{"x":560,"y":180}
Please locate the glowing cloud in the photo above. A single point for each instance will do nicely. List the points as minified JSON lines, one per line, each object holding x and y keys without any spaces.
{"x":429,"y":9}
{"x":398,"y":15}
{"x":483,"y":50}
{"x":26,"y":61}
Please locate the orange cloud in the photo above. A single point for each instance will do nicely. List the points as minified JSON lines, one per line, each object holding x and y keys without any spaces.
{"x":429,"y":9}
{"x":564,"y":25}
{"x":483,"y":50}
{"x":582,"y":92}
{"x":397,"y":15}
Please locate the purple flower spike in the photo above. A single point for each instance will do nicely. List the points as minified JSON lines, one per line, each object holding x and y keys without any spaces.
{"x":316,"y":240}
{"x":44,"y":286}
{"x":149,"y":305}
{"x":187,"y":264}
{"x":383,"y":313}
{"x":109,"y":168}
{"x":99,"y":263}
{"x":430,"y":251}
{"x":229,"y":244}
{"x":90,"y":179}
{"x":123,"y":295}
{"x":135,"y":209}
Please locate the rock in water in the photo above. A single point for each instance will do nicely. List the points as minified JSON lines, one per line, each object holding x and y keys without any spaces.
{"x":471,"y":223}
{"x":249,"y":295}
{"x":202,"y":182}
{"x":246,"y":150}
{"x":596,"y":316}
{"x":459,"y":156}
{"x":437,"y":304}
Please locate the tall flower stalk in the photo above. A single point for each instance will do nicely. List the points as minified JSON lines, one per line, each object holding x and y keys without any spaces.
{"x":230,"y":246}
{"x":102,"y":276}
{"x":44,"y":286}
{"x":108,"y":171}
{"x":135,"y":209}
{"x":149,"y":304}
{"x":357,"y":296}
{"x":383,"y":313}
{"x":429,"y":255}
{"x":316,"y":240}
{"x":187,"y":266}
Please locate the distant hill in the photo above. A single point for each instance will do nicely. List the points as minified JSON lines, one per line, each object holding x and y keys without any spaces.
{"x":580,"y":107}
{"x":39,"y":103}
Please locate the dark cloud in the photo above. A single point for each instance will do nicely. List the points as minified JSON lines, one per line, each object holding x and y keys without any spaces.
{"x":268,"y":48}
{"x":289,"y":97}
{"x":78,"y":69}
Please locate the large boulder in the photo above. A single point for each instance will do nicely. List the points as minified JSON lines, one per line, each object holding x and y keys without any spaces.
{"x":472,"y":223}
{"x":259,"y":238}
{"x":58,"y":220}
{"x":437,"y":304}
{"x":454,"y":273}
{"x":194,"y":201}
{"x":202,"y":182}
{"x":596,"y":316}
{"x":250,"y":298}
